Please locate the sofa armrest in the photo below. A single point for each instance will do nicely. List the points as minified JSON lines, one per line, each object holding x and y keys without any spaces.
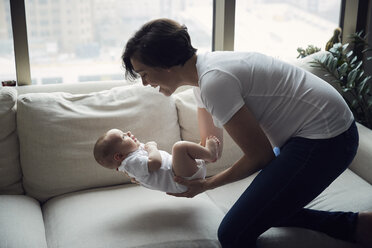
{"x":362,"y":163}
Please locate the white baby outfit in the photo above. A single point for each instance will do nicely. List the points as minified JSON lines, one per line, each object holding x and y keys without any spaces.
{"x":287,"y":101}
{"x":135,"y":164}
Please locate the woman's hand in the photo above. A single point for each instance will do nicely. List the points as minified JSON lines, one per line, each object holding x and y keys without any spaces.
{"x":195,"y":187}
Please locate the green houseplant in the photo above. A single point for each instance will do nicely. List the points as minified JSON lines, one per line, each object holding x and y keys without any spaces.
{"x":356,"y":86}
{"x":302,"y":53}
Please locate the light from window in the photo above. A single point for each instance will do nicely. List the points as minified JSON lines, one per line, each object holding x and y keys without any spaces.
{"x":7,"y":64}
{"x":84,"y":41}
{"x":278,"y":28}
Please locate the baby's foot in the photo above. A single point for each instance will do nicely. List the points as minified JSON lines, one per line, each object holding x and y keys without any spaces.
{"x":212,"y":144}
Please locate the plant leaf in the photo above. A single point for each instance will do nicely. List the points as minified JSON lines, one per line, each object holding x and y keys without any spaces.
{"x":360,"y":75}
{"x":345,"y":90}
{"x":369,"y":103}
{"x":351,"y":78}
{"x":333,"y":65}
{"x":355,"y":103}
{"x":359,"y":64}
{"x":353,"y":60}
{"x":348,"y":55}
{"x":368,"y":90}
{"x":367,"y":50}
{"x":363,"y":85}
{"x":342,"y":69}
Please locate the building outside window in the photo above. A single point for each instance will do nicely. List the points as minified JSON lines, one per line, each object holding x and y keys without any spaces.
{"x":278,"y":28}
{"x":78,"y":41}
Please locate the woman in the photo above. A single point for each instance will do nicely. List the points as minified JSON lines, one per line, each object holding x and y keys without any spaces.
{"x":261,"y":102}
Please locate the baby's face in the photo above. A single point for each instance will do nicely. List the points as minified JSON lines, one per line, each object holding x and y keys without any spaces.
{"x":126,"y":141}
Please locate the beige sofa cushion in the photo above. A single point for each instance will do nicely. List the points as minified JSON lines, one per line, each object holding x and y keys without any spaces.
{"x":57,"y":133}
{"x":130,"y":216}
{"x":21,"y":222}
{"x":10,"y":170}
{"x":74,"y":88}
{"x":307,"y":64}
{"x":187,"y":116}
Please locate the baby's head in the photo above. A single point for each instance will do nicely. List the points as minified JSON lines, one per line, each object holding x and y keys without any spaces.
{"x":113,"y":147}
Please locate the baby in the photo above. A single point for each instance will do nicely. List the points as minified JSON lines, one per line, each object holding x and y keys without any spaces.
{"x":151,"y":167}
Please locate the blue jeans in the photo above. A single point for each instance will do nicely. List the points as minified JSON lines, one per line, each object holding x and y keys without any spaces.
{"x":279,"y":193}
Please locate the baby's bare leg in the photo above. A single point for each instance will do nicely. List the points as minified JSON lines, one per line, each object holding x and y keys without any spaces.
{"x":185,"y":152}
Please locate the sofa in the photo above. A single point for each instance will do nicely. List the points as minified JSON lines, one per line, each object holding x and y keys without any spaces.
{"x":53,"y":194}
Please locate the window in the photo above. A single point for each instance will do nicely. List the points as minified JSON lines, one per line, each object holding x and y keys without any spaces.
{"x":74,"y":42}
{"x":84,"y":42}
{"x":7,"y":64}
{"x":278,"y":28}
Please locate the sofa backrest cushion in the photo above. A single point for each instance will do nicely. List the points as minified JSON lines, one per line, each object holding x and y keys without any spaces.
{"x":187,"y":117}
{"x":10,"y":170}
{"x":57,"y":133}
{"x":308,"y":64}
{"x":74,"y":88}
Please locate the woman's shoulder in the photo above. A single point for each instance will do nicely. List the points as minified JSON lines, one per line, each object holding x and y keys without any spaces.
{"x":216,"y":57}
{"x":228,"y":61}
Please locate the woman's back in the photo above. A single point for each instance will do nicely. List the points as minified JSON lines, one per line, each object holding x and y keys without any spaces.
{"x":286,"y":100}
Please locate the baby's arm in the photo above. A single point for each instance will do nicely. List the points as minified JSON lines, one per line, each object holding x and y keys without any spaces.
{"x":132,"y":179}
{"x":154,"y":161}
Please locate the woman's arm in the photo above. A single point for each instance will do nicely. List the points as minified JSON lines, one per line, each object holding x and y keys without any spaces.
{"x":207,"y":128}
{"x":248,"y":135}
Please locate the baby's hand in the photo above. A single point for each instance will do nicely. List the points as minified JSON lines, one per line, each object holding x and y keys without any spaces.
{"x":151,"y":144}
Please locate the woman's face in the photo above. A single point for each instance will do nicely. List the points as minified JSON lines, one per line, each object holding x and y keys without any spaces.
{"x":155,"y":76}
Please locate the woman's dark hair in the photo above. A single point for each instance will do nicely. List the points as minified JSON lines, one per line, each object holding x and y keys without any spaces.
{"x":159,"y":43}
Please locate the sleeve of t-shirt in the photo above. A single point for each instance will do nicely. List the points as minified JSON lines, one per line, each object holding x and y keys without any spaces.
{"x":136,"y":166}
{"x":198,"y":99}
{"x":221,"y":94}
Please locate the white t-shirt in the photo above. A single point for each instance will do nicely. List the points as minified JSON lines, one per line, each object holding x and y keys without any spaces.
{"x":135,"y":164}
{"x":286,"y":100}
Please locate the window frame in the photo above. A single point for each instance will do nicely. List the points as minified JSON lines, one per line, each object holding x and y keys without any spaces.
{"x":21,"y":53}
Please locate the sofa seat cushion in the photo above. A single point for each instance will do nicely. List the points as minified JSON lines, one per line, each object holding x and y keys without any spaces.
{"x":21,"y":222}
{"x":57,"y":132}
{"x":130,"y":216}
{"x":10,"y":169}
{"x":348,"y":192}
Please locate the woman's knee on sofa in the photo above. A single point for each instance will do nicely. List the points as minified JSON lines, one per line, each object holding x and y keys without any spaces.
{"x":228,"y":236}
